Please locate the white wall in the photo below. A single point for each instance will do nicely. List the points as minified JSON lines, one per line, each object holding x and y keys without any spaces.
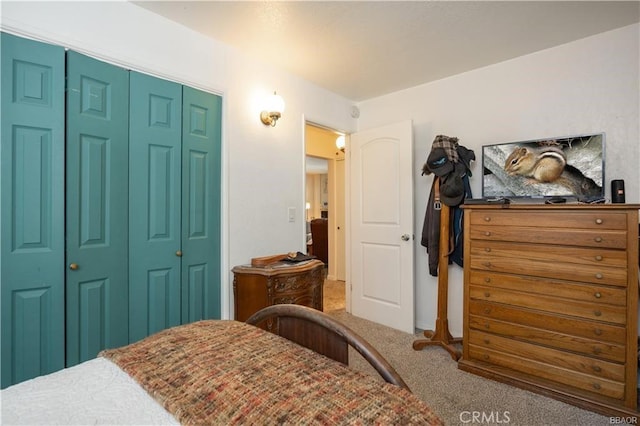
{"x":590,"y":85}
{"x":263,"y":166}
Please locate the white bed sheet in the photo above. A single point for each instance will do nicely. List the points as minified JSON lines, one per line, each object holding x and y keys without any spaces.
{"x":95,"y":392}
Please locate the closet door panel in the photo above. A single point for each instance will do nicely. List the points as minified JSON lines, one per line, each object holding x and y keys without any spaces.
{"x":201,"y":140}
{"x":97,"y":207}
{"x":154,"y":204}
{"x":32,"y":209}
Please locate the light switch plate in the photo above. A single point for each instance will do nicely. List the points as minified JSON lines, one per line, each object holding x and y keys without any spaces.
{"x":291,"y":211}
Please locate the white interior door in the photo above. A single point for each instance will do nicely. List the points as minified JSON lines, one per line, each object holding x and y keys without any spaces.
{"x":381,"y":225}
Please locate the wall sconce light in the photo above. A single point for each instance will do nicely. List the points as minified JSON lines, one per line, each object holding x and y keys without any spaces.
{"x":340,"y":143}
{"x":274,"y":109}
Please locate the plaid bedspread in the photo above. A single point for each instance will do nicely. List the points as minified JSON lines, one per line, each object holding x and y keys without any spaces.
{"x":228,"y":372}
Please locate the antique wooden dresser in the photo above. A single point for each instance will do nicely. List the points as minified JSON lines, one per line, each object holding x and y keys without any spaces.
{"x":281,"y":282}
{"x":551,"y":299}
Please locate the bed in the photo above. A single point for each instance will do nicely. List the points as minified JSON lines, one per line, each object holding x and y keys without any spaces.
{"x":225,"y":372}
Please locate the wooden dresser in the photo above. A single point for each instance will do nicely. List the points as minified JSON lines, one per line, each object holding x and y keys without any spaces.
{"x":551,"y":299}
{"x":281,"y":282}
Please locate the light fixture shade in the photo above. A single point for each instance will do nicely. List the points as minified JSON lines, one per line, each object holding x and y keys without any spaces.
{"x":340,"y":142}
{"x":275,"y":103}
{"x":274,"y":106}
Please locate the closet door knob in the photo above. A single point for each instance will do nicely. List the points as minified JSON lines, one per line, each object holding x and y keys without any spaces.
{"x":405,"y":237}
{"x":179,"y":253}
{"x":73,"y":266}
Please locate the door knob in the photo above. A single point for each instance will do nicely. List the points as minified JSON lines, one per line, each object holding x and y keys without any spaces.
{"x":73,"y":266}
{"x":405,"y":237}
{"x":179,"y":253}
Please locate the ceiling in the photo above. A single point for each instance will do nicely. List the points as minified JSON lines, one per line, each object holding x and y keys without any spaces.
{"x":361,"y":49}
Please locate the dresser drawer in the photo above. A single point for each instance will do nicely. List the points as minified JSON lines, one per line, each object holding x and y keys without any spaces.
{"x":287,"y":284}
{"x":597,"y":256}
{"x":535,"y":268}
{"x":597,"y":376}
{"x":589,"y":310}
{"x":303,"y":290}
{"x":551,"y":287}
{"x":564,"y":237}
{"x":573,"y":326}
{"x":579,"y":345}
{"x":550,"y":219}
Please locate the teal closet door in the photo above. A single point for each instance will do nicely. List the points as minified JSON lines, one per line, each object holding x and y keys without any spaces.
{"x":154,"y":204}
{"x":32,"y":212}
{"x":97,"y":207}
{"x":201,"y":139}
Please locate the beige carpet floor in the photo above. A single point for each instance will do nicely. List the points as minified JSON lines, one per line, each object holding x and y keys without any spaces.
{"x":458,"y":396}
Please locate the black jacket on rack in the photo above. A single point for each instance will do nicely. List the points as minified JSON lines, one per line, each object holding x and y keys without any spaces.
{"x":446,"y":167}
{"x":431,"y":230}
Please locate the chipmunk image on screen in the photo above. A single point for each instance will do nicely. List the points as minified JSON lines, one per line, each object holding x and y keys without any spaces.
{"x":549,"y":164}
{"x":543,"y":165}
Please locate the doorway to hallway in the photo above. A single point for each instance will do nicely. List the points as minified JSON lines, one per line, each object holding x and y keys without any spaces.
{"x":325,"y":197}
{"x":325,"y":209}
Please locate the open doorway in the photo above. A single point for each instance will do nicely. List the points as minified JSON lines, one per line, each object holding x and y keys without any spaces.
{"x":325,"y":208}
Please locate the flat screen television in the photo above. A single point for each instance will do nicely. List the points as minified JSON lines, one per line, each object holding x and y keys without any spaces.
{"x":567,"y":167}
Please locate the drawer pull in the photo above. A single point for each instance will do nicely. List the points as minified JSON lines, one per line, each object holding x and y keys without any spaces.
{"x":485,"y":356}
{"x":598,"y":221}
{"x":487,"y":311}
{"x":598,"y":239}
{"x":487,"y":249}
{"x":596,"y":386}
{"x":598,"y":258}
{"x":487,"y":234}
{"x":487,"y":325}
{"x":597,"y":332}
{"x":487,"y":294}
{"x":599,"y":276}
{"x":487,"y":279}
{"x":597,"y":313}
{"x":486,"y":341}
{"x":598,"y":295}
{"x":487,"y":219}
{"x":487,"y":264}
{"x":597,"y":369}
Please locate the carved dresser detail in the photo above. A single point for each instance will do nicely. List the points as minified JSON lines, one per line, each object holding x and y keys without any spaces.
{"x":551,"y":301}
{"x":281,"y":282}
